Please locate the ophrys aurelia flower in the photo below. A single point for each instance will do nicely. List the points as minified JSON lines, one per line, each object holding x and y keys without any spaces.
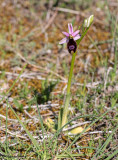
{"x":71,"y":38}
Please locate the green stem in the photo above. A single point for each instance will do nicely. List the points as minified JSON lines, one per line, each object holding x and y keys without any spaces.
{"x":64,"y":113}
{"x":65,"y":109}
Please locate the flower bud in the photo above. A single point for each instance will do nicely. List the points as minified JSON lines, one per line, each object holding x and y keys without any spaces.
{"x":88,"y":21}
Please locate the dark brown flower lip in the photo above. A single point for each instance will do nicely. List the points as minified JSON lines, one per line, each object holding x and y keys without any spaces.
{"x":71,"y":45}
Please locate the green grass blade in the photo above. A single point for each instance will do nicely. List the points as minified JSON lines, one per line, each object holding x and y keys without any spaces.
{"x":68,"y":156}
{"x":43,"y":129}
{"x":6,"y":127}
{"x":103,"y":147}
{"x":89,"y":127}
{"x":112,"y":155}
{"x":36,"y":145}
{"x":14,"y":83}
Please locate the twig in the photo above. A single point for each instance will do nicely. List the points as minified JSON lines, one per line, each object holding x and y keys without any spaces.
{"x":69,"y":11}
{"x":76,"y":125}
{"x":14,"y":120}
{"x":35,"y":76}
{"x":76,"y":12}
{"x":96,"y":138}
{"x":30,"y":76}
{"x":35,"y":66}
{"x":44,"y":106}
{"x":13,"y":134}
{"x":97,"y":132}
{"x":89,"y":85}
{"x":101,"y":42}
{"x":28,"y":114}
{"x":48,"y":24}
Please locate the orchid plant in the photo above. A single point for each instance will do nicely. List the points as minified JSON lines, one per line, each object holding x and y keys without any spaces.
{"x":73,"y":40}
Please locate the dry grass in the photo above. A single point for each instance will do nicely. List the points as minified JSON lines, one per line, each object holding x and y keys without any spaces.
{"x":29,"y":35}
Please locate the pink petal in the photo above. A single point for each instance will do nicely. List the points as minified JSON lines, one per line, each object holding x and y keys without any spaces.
{"x":66,"y":34}
{"x":75,"y":33}
{"x":70,"y":28}
{"x":77,"y":37}
{"x":64,"y":40}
